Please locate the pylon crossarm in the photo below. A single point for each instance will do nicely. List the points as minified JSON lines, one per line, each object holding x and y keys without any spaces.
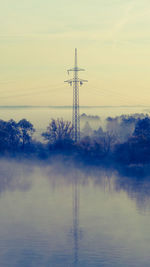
{"x":69,"y":81}
{"x":77,"y":80}
{"x":75,"y":69}
{"x":84,"y":81}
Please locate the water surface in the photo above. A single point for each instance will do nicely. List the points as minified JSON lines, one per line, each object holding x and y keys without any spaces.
{"x":62,"y":215}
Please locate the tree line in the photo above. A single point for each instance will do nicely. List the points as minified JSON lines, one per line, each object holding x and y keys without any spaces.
{"x":125,"y":140}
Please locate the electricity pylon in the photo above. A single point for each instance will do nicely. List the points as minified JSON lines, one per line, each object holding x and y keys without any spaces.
{"x":76,"y":84}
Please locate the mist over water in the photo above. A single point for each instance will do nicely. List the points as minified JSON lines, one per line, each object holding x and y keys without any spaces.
{"x":60,"y":214}
{"x":40,"y":116}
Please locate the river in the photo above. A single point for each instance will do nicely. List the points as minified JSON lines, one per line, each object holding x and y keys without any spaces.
{"x":58,"y":214}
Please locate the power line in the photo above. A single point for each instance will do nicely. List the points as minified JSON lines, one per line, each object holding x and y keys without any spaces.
{"x":32,"y":93}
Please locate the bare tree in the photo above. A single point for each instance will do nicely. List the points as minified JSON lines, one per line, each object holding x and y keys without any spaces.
{"x":58,"y":130}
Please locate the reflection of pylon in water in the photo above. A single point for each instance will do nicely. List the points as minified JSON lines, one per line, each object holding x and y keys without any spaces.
{"x":76,"y":233}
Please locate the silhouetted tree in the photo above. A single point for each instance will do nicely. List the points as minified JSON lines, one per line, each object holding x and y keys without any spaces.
{"x":9,"y":135}
{"x":136,"y":150}
{"x":123,"y":126}
{"x":106,"y":139}
{"x":26,"y":131}
{"x":90,"y":150}
{"x":98,"y":133}
{"x":142,"y":128}
{"x":59,"y":133}
{"x":87,"y":130}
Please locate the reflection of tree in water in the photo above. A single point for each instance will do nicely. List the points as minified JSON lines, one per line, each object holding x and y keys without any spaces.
{"x":13,"y":176}
{"x":135,"y":184}
{"x":137,"y":189}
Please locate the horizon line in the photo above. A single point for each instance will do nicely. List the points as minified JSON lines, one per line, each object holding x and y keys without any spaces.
{"x":68,"y":106}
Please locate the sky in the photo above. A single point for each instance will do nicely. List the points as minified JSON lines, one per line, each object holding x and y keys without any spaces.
{"x":37,"y":42}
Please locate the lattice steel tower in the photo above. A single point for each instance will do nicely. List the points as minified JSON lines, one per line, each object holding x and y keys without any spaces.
{"x":76,"y":84}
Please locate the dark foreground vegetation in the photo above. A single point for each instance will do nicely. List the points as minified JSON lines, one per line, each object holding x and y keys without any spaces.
{"x":124,"y":141}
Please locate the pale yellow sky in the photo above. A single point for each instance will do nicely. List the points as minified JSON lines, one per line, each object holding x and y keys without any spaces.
{"x":37,"y":41}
